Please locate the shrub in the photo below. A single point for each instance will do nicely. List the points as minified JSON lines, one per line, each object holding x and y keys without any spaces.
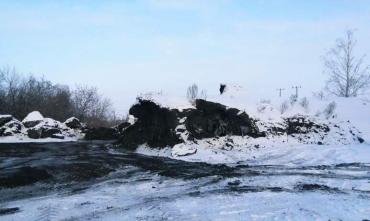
{"x":293,"y":99}
{"x":319,"y":95}
{"x":304,"y":103}
{"x":284,"y":107}
{"x":203,"y":95}
{"x":192,"y":93}
{"x":329,"y":110}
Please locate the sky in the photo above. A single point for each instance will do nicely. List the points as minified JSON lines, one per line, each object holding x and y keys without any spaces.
{"x":128,"y":47}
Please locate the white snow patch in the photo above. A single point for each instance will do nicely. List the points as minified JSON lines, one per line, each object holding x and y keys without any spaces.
{"x":131,"y":119}
{"x":33,"y":116}
{"x":181,"y":150}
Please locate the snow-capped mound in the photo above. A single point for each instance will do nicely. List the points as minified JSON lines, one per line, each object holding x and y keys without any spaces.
{"x":32,"y":119}
{"x":323,"y":108}
{"x":291,"y":121}
{"x":9,"y":126}
{"x":35,"y":128}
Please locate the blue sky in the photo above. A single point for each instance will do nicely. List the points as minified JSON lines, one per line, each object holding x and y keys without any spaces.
{"x":129,"y":47}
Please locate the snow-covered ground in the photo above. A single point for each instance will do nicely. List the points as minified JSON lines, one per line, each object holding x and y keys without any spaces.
{"x":160,"y":199}
{"x":289,"y":155}
{"x":145,"y":188}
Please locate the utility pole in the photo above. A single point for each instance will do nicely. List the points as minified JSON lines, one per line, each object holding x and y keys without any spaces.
{"x":280,"y":91}
{"x":296,"y":90}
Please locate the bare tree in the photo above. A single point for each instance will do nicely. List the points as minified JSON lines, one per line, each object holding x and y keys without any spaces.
{"x":284,"y":107}
{"x":319,"y":95}
{"x":192,"y":93}
{"x":203,"y":95}
{"x":91,"y":107}
{"x":84,"y":99}
{"x":330,"y":109}
{"x":304,"y":103}
{"x":19,"y":95}
{"x":348,"y":75}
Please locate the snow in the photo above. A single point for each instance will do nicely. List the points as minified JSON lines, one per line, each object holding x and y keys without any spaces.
{"x":124,"y":203}
{"x":289,"y":155}
{"x":5,"y":116}
{"x":180,"y":150}
{"x":168,"y":101}
{"x":131,"y":119}
{"x":69,"y":120}
{"x":21,"y":138}
{"x":33,"y":116}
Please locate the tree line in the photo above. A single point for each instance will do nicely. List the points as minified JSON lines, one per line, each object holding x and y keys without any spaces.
{"x":21,"y":94}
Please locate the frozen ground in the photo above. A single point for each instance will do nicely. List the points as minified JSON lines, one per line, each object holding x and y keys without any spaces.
{"x":289,"y":155}
{"x":91,"y":182}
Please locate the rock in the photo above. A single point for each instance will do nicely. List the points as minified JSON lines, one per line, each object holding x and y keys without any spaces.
{"x":155,"y":126}
{"x":2,"y":130}
{"x":15,"y":126}
{"x":222,"y":88}
{"x":49,"y":132}
{"x":10,"y":128}
{"x":7,"y":133}
{"x":50,"y":123}
{"x":121,"y":127}
{"x":181,"y":150}
{"x":158,"y":126}
{"x":101,"y":133}
{"x":314,"y":187}
{"x":44,"y":132}
{"x":34,"y":133}
{"x":302,"y":125}
{"x":8,"y":211}
{"x":360,"y":139}
{"x":213,"y":120}
{"x":73,"y":123}
{"x":5,"y":119}
{"x":234,"y":183}
{"x":32,"y":119}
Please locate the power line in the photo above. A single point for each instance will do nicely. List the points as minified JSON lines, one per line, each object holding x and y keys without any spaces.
{"x":296,"y":90}
{"x":280,"y":91}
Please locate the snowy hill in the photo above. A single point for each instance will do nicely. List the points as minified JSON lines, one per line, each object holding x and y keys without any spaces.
{"x":316,"y":120}
{"x":354,"y":110}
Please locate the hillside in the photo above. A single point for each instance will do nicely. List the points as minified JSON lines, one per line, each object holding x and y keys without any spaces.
{"x":312,"y":129}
